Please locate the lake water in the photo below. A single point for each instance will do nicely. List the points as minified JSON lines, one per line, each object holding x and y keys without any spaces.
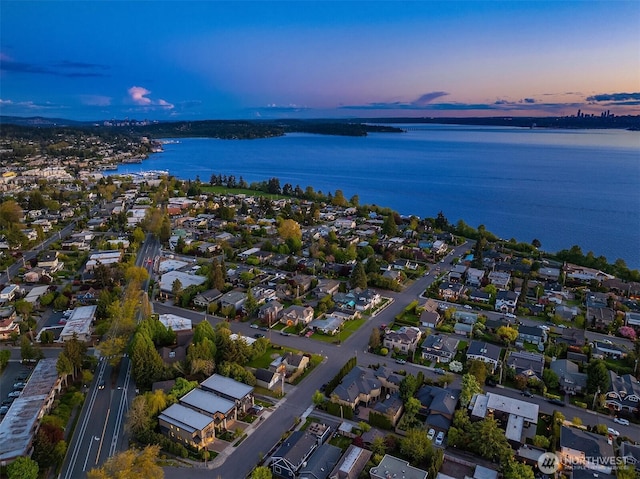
{"x":563,"y":187}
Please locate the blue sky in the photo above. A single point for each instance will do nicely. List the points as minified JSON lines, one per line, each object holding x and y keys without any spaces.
{"x":204,"y":59}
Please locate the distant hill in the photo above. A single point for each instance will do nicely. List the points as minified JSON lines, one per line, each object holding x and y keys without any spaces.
{"x":41,"y":121}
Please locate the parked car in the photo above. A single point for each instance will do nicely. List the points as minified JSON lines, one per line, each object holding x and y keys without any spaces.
{"x":466,"y":306}
{"x":439,"y":438}
{"x":527,"y":393}
{"x":258,"y":335}
{"x":439,"y":371}
{"x":4,"y":410}
{"x":510,"y":315}
{"x":254,"y":326}
{"x":264,"y":328}
{"x":284,"y":333}
{"x":431,"y":434}
{"x":401,"y":361}
{"x":612,"y":431}
{"x":14,"y":394}
{"x":19,"y":386}
{"x":490,"y":382}
{"x":619,"y":420}
{"x":556,"y":402}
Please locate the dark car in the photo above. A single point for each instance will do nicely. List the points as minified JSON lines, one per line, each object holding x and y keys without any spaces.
{"x":101,"y":385}
{"x":258,"y":335}
{"x":556,"y":402}
{"x":490,"y":382}
{"x":527,"y":393}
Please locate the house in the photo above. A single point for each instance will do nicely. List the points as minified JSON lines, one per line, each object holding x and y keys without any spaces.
{"x":630,"y":454}
{"x":8,"y":322}
{"x":301,"y":283}
{"x":440,"y":348}
{"x":601,"y":350}
{"x":293,"y":454}
{"x":600,"y":318}
{"x":391,"y":407}
{"x":9,"y":293}
{"x":293,"y":315}
{"x":623,"y":393}
{"x":516,"y":416}
{"x":392,"y":467}
{"x":366,"y":299}
{"x":463,"y":329}
{"x":327,"y":287}
{"x":320,"y":464}
{"x":531,"y":334}
{"x":572,"y":337}
{"x":204,"y":299}
{"x":404,"y":339}
{"x":327,"y":325}
{"x":186,"y":425}
{"x":351,"y":464}
{"x":395,"y":276}
{"x":295,"y":363}
{"x":451,"y":291}
{"x":506,"y":301}
{"x":500,"y":279}
{"x":486,"y":352}
{"x":233,"y":299}
{"x":221,"y":410}
{"x":474,"y":277}
{"x":230,"y":389}
{"x":266,"y":379}
{"x":365,"y":385}
{"x":529,"y":365}
{"x":438,"y":405}
{"x":268,"y":313}
{"x":479,"y":296}
{"x":49,"y":261}
{"x":585,"y":449}
{"x":571,"y":380}
{"x":430,"y":319}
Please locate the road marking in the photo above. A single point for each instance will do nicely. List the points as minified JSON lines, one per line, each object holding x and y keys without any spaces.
{"x":102,"y":437}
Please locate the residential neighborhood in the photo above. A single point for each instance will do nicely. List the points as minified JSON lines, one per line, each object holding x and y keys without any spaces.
{"x":406,"y":348}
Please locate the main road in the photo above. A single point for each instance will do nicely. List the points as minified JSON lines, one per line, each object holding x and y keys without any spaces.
{"x":100,"y":432}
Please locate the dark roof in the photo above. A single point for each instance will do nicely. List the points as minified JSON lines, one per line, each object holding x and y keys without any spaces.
{"x":264,"y":375}
{"x":296,"y":447}
{"x":320,"y":464}
{"x":530,"y":331}
{"x":482,"y":348}
{"x":593,"y":445}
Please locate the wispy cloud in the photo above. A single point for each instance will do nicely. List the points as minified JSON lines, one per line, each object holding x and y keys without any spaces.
{"x":27,"y":105}
{"x":424,"y":102}
{"x":140,"y":96}
{"x":616,"y":97}
{"x":64,"y":68}
{"x":95,"y":100}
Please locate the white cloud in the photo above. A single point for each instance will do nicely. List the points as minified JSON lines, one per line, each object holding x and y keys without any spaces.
{"x":140,"y":96}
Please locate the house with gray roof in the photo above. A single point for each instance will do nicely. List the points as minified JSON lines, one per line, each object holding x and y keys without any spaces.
{"x":320,"y":464}
{"x":329,"y":325}
{"x":585,"y":449}
{"x":392,"y":467}
{"x":440,"y":348}
{"x":391,"y":407}
{"x":430,"y":319}
{"x":351,"y":464}
{"x":365,"y":385}
{"x":531,"y":334}
{"x":241,"y":394}
{"x":269,"y":312}
{"x":221,"y":410}
{"x":294,"y":314}
{"x":404,"y":339}
{"x":630,"y":454}
{"x":438,"y":405}
{"x":623,"y":393}
{"x":486,"y":352}
{"x":293,"y":454}
{"x":570,"y":379}
{"x":184,"y":424}
{"x":530,"y":365}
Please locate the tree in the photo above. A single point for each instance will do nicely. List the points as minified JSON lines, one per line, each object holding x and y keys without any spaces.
{"x":517,"y":470}
{"x":10,"y":213}
{"x":139,"y":418}
{"x":541,"y":441}
{"x":389,"y":227}
{"x":627,"y":471}
{"x":375,"y":339}
{"x":61,"y":302}
{"x":488,"y":440}
{"x":24,"y":308}
{"x":217,"y":276}
{"x":507,"y":334}
{"x":250,"y":304}
{"x":358,"y":276}
{"x":597,"y":377}
{"x":176,"y":287}
{"x":550,"y":378}
{"x":113,"y":348}
{"x":478,"y":369}
{"x":5,"y":355}
{"x":470,"y":387}
{"x":318,"y":398}
{"x":417,"y":446}
{"x":408,"y":387}
{"x":261,"y":472}
{"x":536,"y":243}
{"x":146,"y":363}
{"x":23,"y":468}
{"x":455,"y":366}
{"x":130,"y":464}
{"x":28,"y":350}
{"x":290,"y":229}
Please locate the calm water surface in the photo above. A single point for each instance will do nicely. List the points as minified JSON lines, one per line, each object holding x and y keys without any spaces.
{"x":563,"y":187}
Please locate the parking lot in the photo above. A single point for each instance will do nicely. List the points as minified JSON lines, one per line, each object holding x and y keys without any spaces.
{"x":10,"y":376}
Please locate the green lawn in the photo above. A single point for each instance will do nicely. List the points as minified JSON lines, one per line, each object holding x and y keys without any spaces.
{"x":239,"y":191}
{"x":264,"y":360}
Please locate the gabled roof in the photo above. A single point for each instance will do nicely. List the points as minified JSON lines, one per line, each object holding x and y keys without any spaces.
{"x":321,"y":462}
{"x":185,"y":418}
{"x":227,"y":386}
{"x":593,"y":445}
{"x":296,"y":448}
{"x":484,"y":349}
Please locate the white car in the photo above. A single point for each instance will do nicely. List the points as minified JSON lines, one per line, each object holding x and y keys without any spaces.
{"x":543,"y":327}
{"x":466,"y":306}
{"x":619,"y":420}
{"x":612,"y":431}
{"x":431,"y":434}
{"x":439,"y":438}
{"x":510,"y":315}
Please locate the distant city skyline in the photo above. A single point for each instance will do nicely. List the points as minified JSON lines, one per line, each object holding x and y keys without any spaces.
{"x":163,"y":60}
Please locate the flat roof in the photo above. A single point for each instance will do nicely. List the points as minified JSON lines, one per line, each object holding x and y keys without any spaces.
{"x":19,"y":422}
{"x":167,"y":265}
{"x":175,"y":322}
{"x":227,"y":386}
{"x":527,"y":410}
{"x":206,"y":401}
{"x":391,"y":466}
{"x":83,"y":313}
{"x":187,"y":279}
{"x":185,"y":418}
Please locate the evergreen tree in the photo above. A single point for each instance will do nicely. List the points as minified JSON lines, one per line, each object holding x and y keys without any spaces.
{"x":358,"y":276}
{"x":146,"y":363}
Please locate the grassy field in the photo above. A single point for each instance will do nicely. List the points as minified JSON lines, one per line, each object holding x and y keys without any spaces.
{"x":348,"y":329}
{"x":239,"y":191}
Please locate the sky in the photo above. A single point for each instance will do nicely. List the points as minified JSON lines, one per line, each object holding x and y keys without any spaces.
{"x":191,"y":60}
